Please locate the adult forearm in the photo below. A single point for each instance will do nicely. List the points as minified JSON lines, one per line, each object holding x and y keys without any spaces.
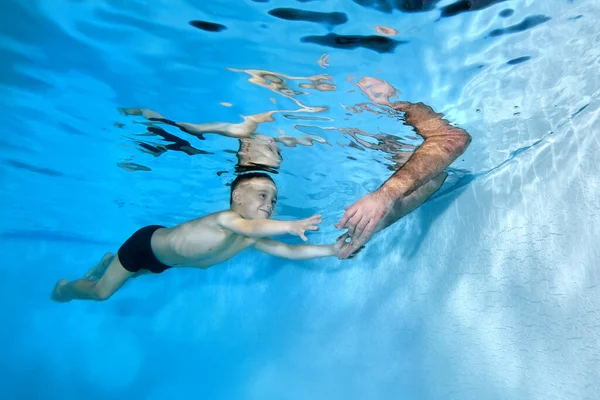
{"x":442,"y":144}
{"x":428,"y":161}
{"x":408,"y":204}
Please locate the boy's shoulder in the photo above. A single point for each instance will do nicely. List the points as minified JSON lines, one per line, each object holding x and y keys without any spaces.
{"x":218,"y":217}
{"x":222,"y":220}
{"x":225,"y":213}
{"x":215,"y":217}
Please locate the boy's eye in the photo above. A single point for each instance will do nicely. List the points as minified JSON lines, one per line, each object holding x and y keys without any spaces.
{"x":263,"y":195}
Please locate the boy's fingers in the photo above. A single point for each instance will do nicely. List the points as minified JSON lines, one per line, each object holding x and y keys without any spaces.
{"x":356,"y":252}
{"x":343,"y":250}
{"x":314,"y":219}
{"x":347,"y":251}
{"x":351,"y":249}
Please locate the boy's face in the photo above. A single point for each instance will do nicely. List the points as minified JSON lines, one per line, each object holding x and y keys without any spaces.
{"x":256,"y":199}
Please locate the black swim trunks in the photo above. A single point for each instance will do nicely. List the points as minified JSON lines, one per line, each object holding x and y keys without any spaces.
{"x":136,"y":253}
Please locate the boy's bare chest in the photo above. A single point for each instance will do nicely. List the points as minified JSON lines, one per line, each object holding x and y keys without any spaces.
{"x":226,"y":250}
{"x":206,"y":247}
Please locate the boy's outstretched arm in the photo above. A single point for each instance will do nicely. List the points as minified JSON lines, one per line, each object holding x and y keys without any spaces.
{"x":296,"y":252}
{"x":260,"y":228}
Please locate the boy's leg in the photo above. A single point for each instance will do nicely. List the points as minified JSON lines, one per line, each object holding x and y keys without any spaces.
{"x":96,"y":272}
{"x":114,"y":277}
{"x":142,"y":272}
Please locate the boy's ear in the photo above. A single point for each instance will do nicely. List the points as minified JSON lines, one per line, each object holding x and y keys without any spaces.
{"x":237,"y":196}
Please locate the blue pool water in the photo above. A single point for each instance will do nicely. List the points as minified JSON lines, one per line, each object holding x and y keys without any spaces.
{"x":490,"y":290}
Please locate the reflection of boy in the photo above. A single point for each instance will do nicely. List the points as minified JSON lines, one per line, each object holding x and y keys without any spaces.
{"x":258,"y":152}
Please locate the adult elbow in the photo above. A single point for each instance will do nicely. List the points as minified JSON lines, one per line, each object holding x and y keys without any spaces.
{"x":462,"y":142}
{"x":458,"y":144}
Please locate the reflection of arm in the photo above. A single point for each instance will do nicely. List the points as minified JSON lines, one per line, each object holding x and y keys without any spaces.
{"x":296,"y":252}
{"x":406,"y":205}
{"x":443,"y":144}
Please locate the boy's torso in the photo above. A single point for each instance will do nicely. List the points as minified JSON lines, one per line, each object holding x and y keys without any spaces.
{"x":198,"y":243}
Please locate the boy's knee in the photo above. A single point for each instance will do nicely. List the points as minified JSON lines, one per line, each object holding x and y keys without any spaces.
{"x":101,"y":293}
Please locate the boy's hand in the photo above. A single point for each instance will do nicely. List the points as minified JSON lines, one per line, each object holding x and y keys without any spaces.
{"x":342,"y":245}
{"x":310,"y":224}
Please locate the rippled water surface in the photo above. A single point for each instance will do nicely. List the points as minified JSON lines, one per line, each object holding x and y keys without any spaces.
{"x":118,"y":114}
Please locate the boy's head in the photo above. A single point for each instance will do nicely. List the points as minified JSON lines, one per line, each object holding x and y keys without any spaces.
{"x":253,"y":195}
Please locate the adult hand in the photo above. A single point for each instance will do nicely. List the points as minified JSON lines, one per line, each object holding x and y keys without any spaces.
{"x":361,"y":219}
{"x":342,"y":244}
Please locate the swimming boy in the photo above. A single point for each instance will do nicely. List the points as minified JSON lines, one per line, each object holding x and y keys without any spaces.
{"x":202,"y":242}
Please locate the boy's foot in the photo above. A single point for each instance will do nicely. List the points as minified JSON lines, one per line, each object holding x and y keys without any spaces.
{"x":56,"y":294}
{"x":96,"y":273}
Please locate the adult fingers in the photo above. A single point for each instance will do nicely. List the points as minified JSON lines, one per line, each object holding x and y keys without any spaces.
{"x":360,"y":227}
{"x":343,"y":237}
{"x":347,"y":215}
{"x":365,"y":235}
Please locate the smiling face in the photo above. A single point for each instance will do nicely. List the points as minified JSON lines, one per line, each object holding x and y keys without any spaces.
{"x":255,"y":198}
